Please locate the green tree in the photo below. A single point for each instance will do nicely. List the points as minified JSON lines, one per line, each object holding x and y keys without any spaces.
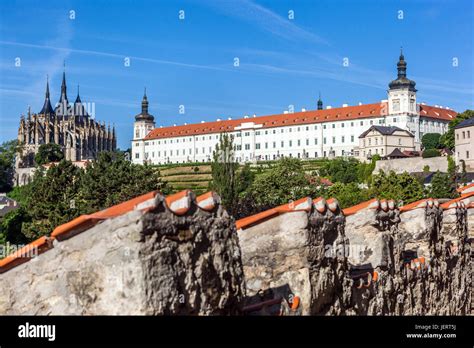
{"x":51,"y":200}
{"x":366,"y":169}
{"x":441,"y":186}
{"x":341,"y":170}
{"x":8,"y":152}
{"x":348,"y":195}
{"x":224,"y":171}
{"x":111,"y":179}
{"x":430,"y":153}
{"x":400,"y":187}
{"x":284,"y":182}
{"x":447,"y":139}
{"x":48,"y":153}
{"x":431,"y":141}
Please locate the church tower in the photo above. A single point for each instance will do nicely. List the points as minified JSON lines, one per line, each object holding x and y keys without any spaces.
{"x":144,"y":122}
{"x":402,"y":92}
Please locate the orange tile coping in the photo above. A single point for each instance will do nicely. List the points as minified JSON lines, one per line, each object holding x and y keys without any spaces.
{"x":178,"y":203}
{"x":371,"y":204}
{"x":303,"y":204}
{"x":422,"y":203}
{"x":458,"y":202}
{"x":26,"y":253}
{"x":466,"y":187}
{"x":85,"y":222}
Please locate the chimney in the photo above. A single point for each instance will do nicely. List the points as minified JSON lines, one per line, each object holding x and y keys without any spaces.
{"x":328,"y":107}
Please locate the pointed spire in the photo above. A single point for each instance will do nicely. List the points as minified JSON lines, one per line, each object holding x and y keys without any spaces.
{"x":320,"y":102}
{"x":144,"y":115}
{"x":145,"y":104}
{"x":402,"y":81}
{"x":78,"y":98}
{"x":63,"y":101}
{"x":47,"y":108}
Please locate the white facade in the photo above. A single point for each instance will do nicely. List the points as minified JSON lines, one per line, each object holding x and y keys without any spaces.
{"x":334,"y":132}
{"x":253,"y":142}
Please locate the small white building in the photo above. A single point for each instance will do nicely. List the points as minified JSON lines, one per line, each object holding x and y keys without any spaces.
{"x":316,"y":133}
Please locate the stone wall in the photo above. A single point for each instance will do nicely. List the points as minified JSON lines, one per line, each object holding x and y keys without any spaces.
{"x":183,"y":254}
{"x":173,"y":256}
{"x":413,"y":165}
{"x":284,"y":254}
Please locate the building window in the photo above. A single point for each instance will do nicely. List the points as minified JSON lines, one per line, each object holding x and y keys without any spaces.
{"x":324,"y":126}
{"x":399,"y":141}
{"x":333,"y":125}
{"x":468,"y":134}
{"x":247,"y":134}
{"x":266,"y":145}
{"x":370,"y":141}
{"x":463,"y":135}
{"x":299,"y":142}
{"x":257,"y":133}
{"x":291,"y":143}
{"x":282,"y":144}
{"x":274,"y":144}
{"x":239,"y":147}
{"x":352,"y":124}
{"x":342,"y":139}
{"x":247,"y":146}
{"x":290,"y":130}
{"x":257,"y":146}
{"x":307,"y":141}
{"x":324,"y":142}
{"x":376,"y":141}
{"x":137,"y":133}
{"x":361,"y":123}
{"x":342,"y":125}
{"x":315,"y":141}
{"x":137,"y":155}
{"x":396,"y":105}
{"x":371,"y":122}
{"x":412,"y":104}
{"x":274,"y":131}
{"x":467,"y":154}
{"x":333,"y":140}
{"x":352,"y":138}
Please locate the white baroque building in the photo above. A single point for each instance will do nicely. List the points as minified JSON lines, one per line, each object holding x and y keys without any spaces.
{"x":328,"y":132}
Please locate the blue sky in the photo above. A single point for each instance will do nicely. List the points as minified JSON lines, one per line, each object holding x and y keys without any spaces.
{"x":190,"y":61}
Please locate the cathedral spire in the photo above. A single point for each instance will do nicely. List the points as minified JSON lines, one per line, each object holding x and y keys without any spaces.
{"x":63,"y":99}
{"x":47,"y":108}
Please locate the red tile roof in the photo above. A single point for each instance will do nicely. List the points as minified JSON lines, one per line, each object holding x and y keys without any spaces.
{"x":178,"y":203}
{"x":297,"y":118}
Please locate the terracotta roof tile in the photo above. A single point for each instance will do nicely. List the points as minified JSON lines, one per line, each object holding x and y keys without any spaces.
{"x":297,"y":118}
{"x":372,"y":204}
{"x":469,"y":187}
{"x":458,"y":202}
{"x":178,"y":203}
{"x":303,"y":204}
{"x":24,"y":254}
{"x":85,"y":222}
{"x":422,"y":203}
